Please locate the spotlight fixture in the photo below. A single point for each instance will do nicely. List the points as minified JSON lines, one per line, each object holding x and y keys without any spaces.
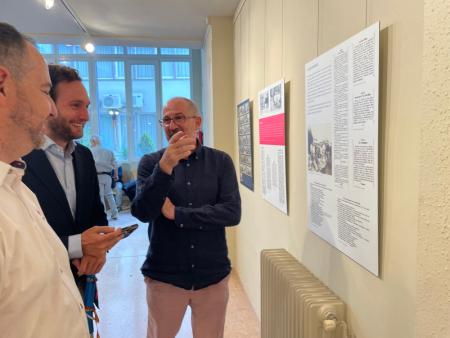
{"x":49,"y":4}
{"x":89,"y":47}
{"x":86,"y":42}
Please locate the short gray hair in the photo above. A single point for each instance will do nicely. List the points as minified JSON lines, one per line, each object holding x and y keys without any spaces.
{"x":13,"y":49}
{"x":191,"y":104}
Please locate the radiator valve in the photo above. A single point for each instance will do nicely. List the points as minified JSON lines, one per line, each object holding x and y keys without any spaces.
{"x":331,"y":322}
{"x":329,"y":325}
{"x":329,"y":319}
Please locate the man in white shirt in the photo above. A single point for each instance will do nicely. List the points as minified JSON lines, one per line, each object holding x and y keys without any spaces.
{"x":39,"y":298}
{"x":105,"y":164}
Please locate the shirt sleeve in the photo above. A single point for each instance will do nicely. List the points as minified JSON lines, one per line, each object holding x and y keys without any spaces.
{"x":225,"y":212}
{"x":152,"y":187}
{"x":75,"y":250}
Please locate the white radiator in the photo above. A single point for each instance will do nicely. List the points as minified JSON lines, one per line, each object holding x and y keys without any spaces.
{"x":294,"y":303}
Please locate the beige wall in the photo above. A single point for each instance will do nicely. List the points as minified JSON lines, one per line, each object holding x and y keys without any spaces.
{"x":218,"y":93}
{"x":433,"y":287}
{"x":222,"y":82}
{"x":273,"y":40}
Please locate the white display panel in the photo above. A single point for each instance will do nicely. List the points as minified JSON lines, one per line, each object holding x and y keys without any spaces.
{"x":341,"y":105}
{"x":272,"y":145}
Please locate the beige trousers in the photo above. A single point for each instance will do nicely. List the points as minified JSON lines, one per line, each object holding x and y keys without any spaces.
{"x":167,"y":305}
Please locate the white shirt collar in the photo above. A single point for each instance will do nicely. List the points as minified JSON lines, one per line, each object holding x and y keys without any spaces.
{"x":49,"y":143}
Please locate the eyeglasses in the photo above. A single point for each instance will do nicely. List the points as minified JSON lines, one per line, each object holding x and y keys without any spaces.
{"x":177,"y":119}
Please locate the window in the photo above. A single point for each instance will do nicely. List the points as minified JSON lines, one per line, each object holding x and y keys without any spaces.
{"x":175,"y":51}
{"x":176,"y":70}
{"x":45,"y":48}
{"x":168,"y":72}
{"x":145,"y":118}
{"x":130,"y":84}
{"x":142,"y":50}
{"x":107,"y":70}
{"x":114,"y":50}
{"x":144,"y":72}
{"x":70,"y":49}
{"x":104,"y":70}
{"x":176,"y":79}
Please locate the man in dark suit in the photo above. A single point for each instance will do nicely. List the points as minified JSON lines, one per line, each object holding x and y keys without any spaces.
{"x":62,"y":174}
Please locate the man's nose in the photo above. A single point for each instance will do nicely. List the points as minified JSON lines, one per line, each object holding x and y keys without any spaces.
{"x":172,"y":124}
{"x":52,"y":109}
{"x":85,"y":114}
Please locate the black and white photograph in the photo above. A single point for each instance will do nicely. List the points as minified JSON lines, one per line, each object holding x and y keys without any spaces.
{"x":245,"y":137}
{"x":264,"y":101}
{"x":320,"y":149}
{"x":275,"y":97}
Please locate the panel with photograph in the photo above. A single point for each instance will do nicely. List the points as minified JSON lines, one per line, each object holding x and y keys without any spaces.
{"x":245,"y":138}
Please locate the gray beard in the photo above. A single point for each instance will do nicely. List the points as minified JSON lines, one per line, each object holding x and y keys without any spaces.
{"x":21,"y":118}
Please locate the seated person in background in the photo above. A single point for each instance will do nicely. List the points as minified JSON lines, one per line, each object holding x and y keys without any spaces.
{"x":129,"y":182}
{"x":105,"y":163}
{"x":117,"y":187}
{"x":130,"y":189}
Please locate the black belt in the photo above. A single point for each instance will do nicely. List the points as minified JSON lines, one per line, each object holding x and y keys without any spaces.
{"x":104,"y":173}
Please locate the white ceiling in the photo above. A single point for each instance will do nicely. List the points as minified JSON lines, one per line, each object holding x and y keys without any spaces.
{"x":161,"y":22}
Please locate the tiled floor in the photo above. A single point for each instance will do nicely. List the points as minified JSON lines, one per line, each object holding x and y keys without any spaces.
{"x":123,"y":308}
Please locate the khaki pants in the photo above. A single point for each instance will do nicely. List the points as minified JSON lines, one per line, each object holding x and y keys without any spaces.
{"x":167,"y":305}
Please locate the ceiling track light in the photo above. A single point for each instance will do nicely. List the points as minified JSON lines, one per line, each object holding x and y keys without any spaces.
{"x":89,"y":46}
{"x":49,"y":4}
{"x":87,"y":42}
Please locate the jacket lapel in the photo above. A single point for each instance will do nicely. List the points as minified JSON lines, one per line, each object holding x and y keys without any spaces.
{"x":78,"y":169}
{"x":43,"y":170}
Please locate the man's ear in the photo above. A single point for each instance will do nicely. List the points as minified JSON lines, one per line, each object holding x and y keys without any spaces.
{"x":5,"y":75}
{"x":198,"y":122}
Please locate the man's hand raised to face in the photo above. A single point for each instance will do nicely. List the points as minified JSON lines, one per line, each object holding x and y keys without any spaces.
{"x":180,"y":147}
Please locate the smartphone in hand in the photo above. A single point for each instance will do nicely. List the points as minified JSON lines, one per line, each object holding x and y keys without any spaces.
{"x":126,"y":231}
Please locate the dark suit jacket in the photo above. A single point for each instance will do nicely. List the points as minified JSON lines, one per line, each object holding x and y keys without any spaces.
{"x":42,"y":180}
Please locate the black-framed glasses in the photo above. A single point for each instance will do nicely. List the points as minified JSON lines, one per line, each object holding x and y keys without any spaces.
{"x":177,"y":119}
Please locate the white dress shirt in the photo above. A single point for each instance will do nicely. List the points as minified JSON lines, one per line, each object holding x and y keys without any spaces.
{"x":38,"y":296}
{"x":61,"y":161}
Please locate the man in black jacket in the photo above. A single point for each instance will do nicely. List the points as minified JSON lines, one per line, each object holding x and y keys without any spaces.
{"x":189,"y":194}
{"x":62,"y":174}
